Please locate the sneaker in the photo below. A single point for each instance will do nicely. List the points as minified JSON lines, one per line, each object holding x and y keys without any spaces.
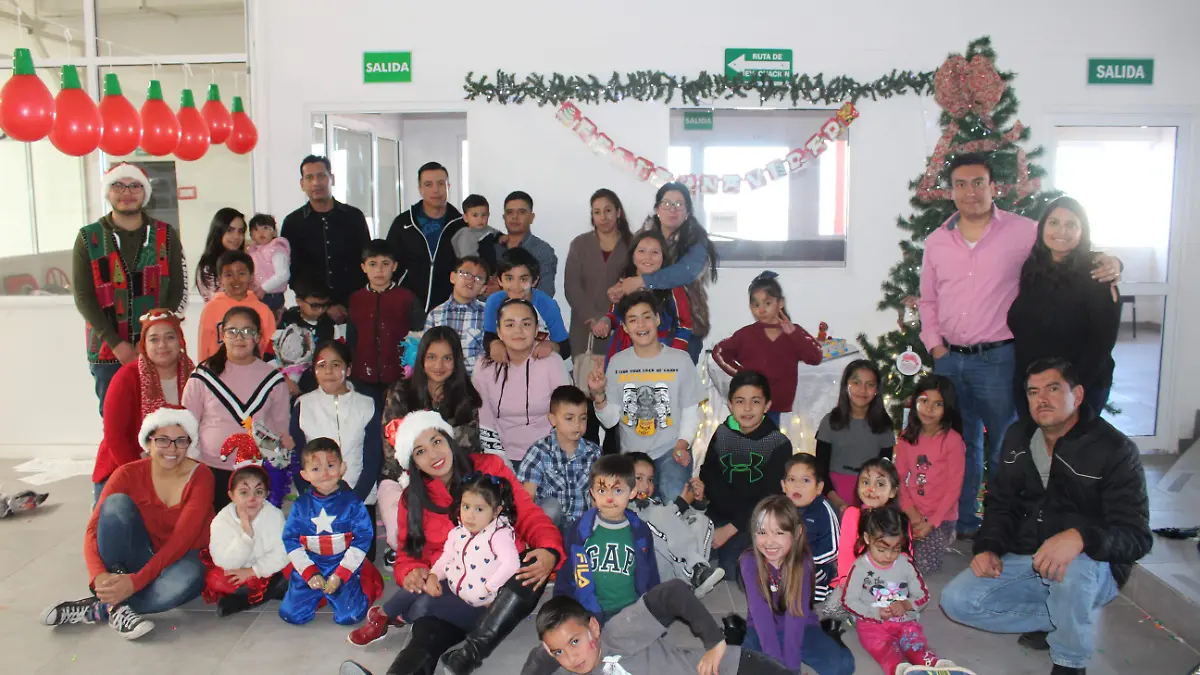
{"x":1035,"y":641}
{"x":373,"y":630}
{"x":389,"y":558}
{"x":705,"y":578}
{"x":352,"y":668}
{"x":86,"y":610}
{"x":129,"y":623}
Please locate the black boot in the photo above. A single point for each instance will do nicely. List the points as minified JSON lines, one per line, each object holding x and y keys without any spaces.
{"x":233,"y":603}
{"x":735,"y":629}
{"x":429,"y":638}
{"x":504,"y":614}
{"x":1064,"y":670}
{"x":276,"y":587}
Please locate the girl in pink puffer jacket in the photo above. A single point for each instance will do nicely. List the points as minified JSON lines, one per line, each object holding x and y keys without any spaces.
{"x":272,"y":256}
{"x":481,"y":553}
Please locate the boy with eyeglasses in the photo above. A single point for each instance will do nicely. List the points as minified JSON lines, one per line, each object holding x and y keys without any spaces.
{"x":235,"y":272}
{"x":463,"y":311}
{"x":311,"y":315}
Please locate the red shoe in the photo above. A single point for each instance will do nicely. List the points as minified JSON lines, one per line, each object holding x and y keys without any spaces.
{"x":375,"y":628}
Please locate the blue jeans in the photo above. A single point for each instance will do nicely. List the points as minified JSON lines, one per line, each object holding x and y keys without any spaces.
{"x":670,"y":476}
{"x":1020,"y":601}
{"x":821,"y":652}
{"x":97,"y":488}
{"x":983,"y":383}
{"x":103,"y":374}
{"x":125,"y":546}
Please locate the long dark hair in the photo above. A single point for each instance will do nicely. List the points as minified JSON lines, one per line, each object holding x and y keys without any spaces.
{"x":951,"y":418}
{"x":459,"y":397}
{"x":416,"y":497}
{"x":496,"y":491}
{"x":622,"y":221}
{"x":1040,"y":263}
{"x":216,"y":362}
{"x":222,"y":220}
{"x":502,"y":368}
{"x":663,"y":295}
{"x":690,"y":233}
{"x":877,"y":416}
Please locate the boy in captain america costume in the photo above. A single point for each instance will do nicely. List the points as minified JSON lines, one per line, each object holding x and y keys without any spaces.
{"x":326,"y":536}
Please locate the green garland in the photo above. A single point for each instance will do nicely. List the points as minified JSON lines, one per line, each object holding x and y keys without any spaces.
{"x":650,"y":85}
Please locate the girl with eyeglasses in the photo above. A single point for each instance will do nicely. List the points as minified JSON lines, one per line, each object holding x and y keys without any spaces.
{"x":235,"y":391}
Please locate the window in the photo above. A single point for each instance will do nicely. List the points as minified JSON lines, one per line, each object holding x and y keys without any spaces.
{"x":465,"y":168}
{"x":354,"y":181}
{"x":800,"y":218}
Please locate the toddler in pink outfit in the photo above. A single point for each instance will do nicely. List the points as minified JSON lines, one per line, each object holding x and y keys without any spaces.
{"x":272,"y":257}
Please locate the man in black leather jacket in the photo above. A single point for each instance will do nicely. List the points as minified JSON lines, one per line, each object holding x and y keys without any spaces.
{"x":1066,"y":517}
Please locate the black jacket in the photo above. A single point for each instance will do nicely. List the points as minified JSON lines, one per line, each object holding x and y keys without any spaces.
{"x":329,"y":245}
{"x":739,"y":470}
{"x":427,"y":276}
{"x":1097,"y":486}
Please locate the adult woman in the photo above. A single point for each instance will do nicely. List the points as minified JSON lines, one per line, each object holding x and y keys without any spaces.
{"x":594,"y":264}
{"x":233,"y":386}
{"x":437,"y":466}
{"x":693,"y":257}
{"x":227,"y":232}
{"x":139,"y":388}
{"x":1060,"y":310}
{"x":144,"y":539}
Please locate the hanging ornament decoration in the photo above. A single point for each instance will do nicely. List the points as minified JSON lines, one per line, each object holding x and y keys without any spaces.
{"x":569,"y":115}
{"x":160,"y":127}
{"x":77,"y":123}
{"x":245,"y":134}
{"x":122,"y":125}
{"x":911,"y":316}
{"x":26,"y":104}
{"x":193,"y":130}
{"x":908,"y":362}
{"x":216,"y":115}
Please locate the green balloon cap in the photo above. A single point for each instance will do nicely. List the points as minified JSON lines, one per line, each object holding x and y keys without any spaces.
{"x":214,"y":93}
{"x":70,"y":78}
{"x":237,"y":104}
{"x":154,"y":91}
{"x":187,"y":100}
{"x":23,"y":62}
{"x":112,"y":86}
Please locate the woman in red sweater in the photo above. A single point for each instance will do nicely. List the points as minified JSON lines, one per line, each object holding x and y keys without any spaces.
{"x":144,"y":539}
{"x":436,"y":466}
{"x":155,"y":379}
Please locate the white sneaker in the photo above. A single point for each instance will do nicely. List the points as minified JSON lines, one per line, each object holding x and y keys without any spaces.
{"x":129,"y":623}
{"x":945,"y":663}
{"x":902,"y":668}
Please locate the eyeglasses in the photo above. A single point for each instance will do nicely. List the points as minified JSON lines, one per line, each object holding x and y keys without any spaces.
{"x":317,"y":305}
{"x":120,"y":187}
{"x":672,"y":206}
{"x":163,"y":442}
{"x":234,"y":333}
{"x":467,"y":276}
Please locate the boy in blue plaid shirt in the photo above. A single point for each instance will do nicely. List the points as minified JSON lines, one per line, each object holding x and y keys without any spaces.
{"x":555,"y":470}
{"x":463,"y":311}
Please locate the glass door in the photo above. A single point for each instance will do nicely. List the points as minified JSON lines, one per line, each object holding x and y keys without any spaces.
{"x":353,"y":171}
{"x":388,"y":184}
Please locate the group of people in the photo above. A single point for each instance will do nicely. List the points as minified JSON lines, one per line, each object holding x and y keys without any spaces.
{"x":480,"y":452}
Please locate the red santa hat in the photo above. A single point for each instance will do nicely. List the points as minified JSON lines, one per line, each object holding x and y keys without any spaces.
{"x":402,"y":433}
{"x":170,"y":415}
{"x":128,"y":172}
{"x":243,"y":449}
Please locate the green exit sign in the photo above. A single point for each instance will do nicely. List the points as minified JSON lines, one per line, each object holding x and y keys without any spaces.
{"x":387,"y":67}
{"x":1120,"y":71}
{"x":698,"y":120}
{"x":776,"y":63}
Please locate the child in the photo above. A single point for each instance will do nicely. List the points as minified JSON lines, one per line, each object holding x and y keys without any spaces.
{"x":312,"y":302}
{"x":684,"y":534}
{"x":886,"y":594}
{"x":610,"y":550}
{"x":272,"y":259}
{"x":349,"y":418}
{"x":476,"y":239}
{"x":878,"y":486}
{"x":555,"y":470}
{"x":930,"y":459}
{"x":518,"y":272}
{"x":744,"y":464}
{"x":778,"y":573}
{"x":463,"y":311}
{"x":653,"y":393}
{"x":858,"y":429}
{"x":235,"y":270}
{"x":802,"y":484}
{"x":675,"y":310}
{"x":245,"y":548}
{"x":227,"y":232}
{"x":772,"y":344}
{"x":326,"y":537}
{"x":480,"y":555}
{"x":380,"y":317}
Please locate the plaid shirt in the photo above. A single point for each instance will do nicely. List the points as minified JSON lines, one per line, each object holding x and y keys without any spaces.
{"x":558,"y":476}
{"x":467,"y":321}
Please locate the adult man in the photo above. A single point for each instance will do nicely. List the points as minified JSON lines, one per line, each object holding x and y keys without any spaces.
{"x":1067,"y":516}
{"x":125,"y":264}
{"x":969,"y":279}
{"x":518,"y":216}
{"x":420,"y":238}
{"x":327,"y":237}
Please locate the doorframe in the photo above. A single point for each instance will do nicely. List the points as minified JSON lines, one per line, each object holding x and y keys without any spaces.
{"x":1167,"y":433}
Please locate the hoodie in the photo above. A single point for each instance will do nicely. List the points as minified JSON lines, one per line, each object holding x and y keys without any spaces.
{"x":426,"y":274}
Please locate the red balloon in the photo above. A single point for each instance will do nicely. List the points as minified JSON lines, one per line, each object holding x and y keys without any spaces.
{"x":26,"y":105}
{"x":194,"y":134}
{"x":77,"y":123}
{"x":245,"y":134}
{"x":220,"y":123}
{"x":160,"y":127}
{"x":122,"y":125}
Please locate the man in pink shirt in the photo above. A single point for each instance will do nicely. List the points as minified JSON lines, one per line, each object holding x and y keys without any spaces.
{"x":970,"y":276}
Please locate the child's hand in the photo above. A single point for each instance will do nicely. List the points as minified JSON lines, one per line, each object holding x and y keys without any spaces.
{"x":498,"y":352}
{"x":921,"y":529}
{"x":543,"y":350}
{"x":293,"y":388}
{"x":287,"y":441}
{"x":711,"y":660}
{"x":433,"y":586}
{"x":317,"y":582}
{"x":785,"y":324}
{"x":601,"y":328}
{"x":239,"y":576}
{"x":597,"y":381}
{"x":885,"y":613}
{"x":332,"y":584}
{"x":899,"y":608}
{"x":697,"y":487}
{"x":244,"y":519}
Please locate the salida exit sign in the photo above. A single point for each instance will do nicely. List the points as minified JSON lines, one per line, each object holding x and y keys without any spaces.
{"x":1120,"y":71}
{"x":387,"y":67}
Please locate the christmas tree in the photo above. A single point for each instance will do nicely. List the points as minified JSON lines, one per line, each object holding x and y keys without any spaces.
{"x":979,"y":114}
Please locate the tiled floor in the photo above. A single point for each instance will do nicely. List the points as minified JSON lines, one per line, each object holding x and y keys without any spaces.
{"x":41,"y":563}
{"x":1135,"y":380}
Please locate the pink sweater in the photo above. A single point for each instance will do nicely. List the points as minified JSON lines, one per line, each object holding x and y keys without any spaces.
{"x":476,"y":566}
{"x":513,"y":414}
{"x":931,"y":475}
{"x":217,"y":423}
{"x":271,"y":264}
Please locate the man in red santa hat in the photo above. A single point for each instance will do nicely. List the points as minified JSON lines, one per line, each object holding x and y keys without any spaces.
{"x":125,"y":264}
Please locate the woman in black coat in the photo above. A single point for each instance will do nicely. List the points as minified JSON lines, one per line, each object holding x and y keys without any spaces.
{"x":1060,"y":310}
